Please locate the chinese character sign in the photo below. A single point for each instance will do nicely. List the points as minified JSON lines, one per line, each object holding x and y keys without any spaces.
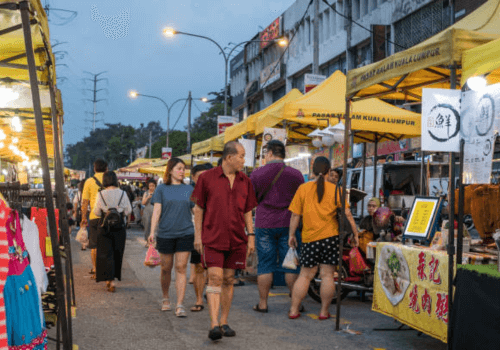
{"x":421,"y":218}
{"x":411,"y":285}
{"x":480,"y":121}
{"x":440,"y":120}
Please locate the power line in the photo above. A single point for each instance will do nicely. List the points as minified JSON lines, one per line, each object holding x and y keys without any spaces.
{"x":180,"y":115}
{"x":353,"y":21}
{"x":289,"y":42}
{"x":196,"y":105}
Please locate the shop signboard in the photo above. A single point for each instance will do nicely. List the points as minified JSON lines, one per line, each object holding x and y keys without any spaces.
{"x":312,"y":80}
{"x":411,"y":285}
{"x":224,"y":122}
{"x":272,"y":32}
{"x":480,"y":120}
{"x":440,"y":120}
{"x":166,"y":153}
{"x":268,"y":135}
{"x":249,"y":146}
{"x":338,"y":155}
{"x":270,"y":74}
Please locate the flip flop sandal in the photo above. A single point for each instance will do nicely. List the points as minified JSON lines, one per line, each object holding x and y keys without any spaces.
{"x":258,"y":309}
{"x":322,"y":318}
{"x":197,"y":308}
{"x":293,"y":317}
{"x":165,"y":305}
{"x":180,"y":311}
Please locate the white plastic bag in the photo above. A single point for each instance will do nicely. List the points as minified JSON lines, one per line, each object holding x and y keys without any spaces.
{"x":82,"y":236}
{"x":291,"y":261}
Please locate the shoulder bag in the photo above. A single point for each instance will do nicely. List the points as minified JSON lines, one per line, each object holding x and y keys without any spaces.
{"x":263,"y":195}
{"x":342,"y":218}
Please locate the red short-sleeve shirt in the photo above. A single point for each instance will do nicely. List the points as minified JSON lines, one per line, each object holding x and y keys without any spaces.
{"x":224,"y":208}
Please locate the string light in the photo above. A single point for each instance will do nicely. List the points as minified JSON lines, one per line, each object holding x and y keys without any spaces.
{"x":7,"y":95}
{"x":16,"y":124}
{"x":15,"y":140}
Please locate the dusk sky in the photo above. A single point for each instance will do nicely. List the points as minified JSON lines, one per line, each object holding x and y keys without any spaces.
{"x":137,"y":56}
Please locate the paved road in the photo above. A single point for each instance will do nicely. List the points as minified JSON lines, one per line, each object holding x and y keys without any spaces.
{"x":130,"y":318}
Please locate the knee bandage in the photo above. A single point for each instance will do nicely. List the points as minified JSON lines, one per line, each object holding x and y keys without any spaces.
{"x":214,"y":290}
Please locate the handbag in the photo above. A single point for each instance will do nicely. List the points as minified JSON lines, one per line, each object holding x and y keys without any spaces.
{"x":263,"y":195}
{"x":342,"y":218}
{"x":152,"y":257}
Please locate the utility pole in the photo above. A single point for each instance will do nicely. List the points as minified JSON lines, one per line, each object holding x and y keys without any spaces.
{"x":348,"y":28}
{"x":315,"y":67}
{"x":189,"y":124}
{"x":150,"y":137}
{"x":94,"y":100}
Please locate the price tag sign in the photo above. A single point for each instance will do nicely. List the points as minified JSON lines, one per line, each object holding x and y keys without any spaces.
{"x":422,"y":222}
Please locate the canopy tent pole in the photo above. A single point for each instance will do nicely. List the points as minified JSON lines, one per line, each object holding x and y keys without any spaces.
{"x":461,"y":199}
{"x":375,"y":156}
{"x":363,"y":182}
{"x":451,"y":211}
{"x":342,"y":229}
{"x":37,"y":109}
{"x":422,"y":170}
{"x":63,"y":219}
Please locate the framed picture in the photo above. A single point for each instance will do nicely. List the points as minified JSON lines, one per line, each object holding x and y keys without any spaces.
{"x":422,"y":222}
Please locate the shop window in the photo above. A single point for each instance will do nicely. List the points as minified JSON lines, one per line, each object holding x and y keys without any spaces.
{"x":364,"y":7}
{"x":241,"y":114}
{"x":279,"y":93}
{"x":326,"y":24}
{"x":298,"y":83}
{"x":334,"y":20}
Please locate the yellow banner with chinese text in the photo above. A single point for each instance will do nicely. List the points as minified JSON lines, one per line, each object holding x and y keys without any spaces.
{"x":411,"y":285}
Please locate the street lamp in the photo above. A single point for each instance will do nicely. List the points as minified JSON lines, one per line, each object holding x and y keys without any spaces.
{"x":170,"y":32}
{"x":134,"y":94}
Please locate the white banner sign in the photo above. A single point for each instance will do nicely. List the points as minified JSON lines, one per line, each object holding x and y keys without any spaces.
{"x":480,"y":125}
{"x":249,"y":146}
{"x":224,"y":122}
{"x":440,"y":120}
{"x":166,"y":153}
{"x":312,"y":80}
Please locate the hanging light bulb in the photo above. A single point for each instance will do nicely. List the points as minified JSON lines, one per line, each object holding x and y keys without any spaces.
{"x":2,"y":145}
{"x":476,"y":83}
{"x":16,"y":124}
{"x":2,"y":135}
{"x":15,"y":140}
{"x":7,"y":95}
{"x":328,"y":140}
{"x":4,"y":172}
{"x":316,"y":141}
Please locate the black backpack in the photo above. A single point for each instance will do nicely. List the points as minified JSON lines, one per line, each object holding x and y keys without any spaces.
{"x":113,"y":220}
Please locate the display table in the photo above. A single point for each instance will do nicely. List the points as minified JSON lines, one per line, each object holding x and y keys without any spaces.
{"x":411,"y":285}
{"x":475,"y":317}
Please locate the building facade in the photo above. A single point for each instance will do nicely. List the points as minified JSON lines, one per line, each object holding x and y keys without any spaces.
{"x":378,"y":29}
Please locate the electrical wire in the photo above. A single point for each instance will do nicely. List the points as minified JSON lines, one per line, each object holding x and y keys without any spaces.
{"x":289,"y":42}
{"x":360,"y":25}
{"x":180,"y":115}
{"x":196,"y":105}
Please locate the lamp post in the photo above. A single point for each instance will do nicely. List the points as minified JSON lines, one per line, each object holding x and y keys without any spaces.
{"x":170,"y":32}
{"x":134,"y":94}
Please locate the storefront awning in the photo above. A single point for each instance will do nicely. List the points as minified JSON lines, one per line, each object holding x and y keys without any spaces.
{"x":215,"y":144}
{"x":403,"y":75}
{"x":326,"y":104}
{"x":249,"y":124}
{"x":482,"y":60}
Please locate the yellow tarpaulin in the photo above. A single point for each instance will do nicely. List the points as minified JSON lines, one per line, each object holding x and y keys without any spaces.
{"x":411,"y":285}
{"x":402,"y":75}
{"x":137,"y":164}
{"x":327,"y":102}
{"x":482,"y":60}
{"x":249,"y":124}
{"x":215,"y":144}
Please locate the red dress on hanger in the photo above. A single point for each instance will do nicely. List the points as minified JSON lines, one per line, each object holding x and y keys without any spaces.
{"x":40,"y":217}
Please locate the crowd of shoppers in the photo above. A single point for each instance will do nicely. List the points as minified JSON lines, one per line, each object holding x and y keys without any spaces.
{"x":210,"y":224}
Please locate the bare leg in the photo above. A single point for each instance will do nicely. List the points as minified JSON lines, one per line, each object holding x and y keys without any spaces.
{"x":265,"y":282}
{"x":327,"y":289}
{"x":290,"y":279}
{"x":167,"y":262}
{"x":93,"y":257}
{"x":300,"y":287}
{"x":192,"y":272}
{"x":227,"y":294}
{"x":199,"y":283}
{"x":215,"y":277}
{"x":181,"y":261}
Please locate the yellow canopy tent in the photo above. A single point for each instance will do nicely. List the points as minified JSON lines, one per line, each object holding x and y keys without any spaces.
{"x":137,"y":164}
{"x":249,"y":124}
{"x":15,"y":88}
{"x":214,"y":144}
{"x":326,"y":103}
{"x":159,"y":167}
{"x":403,"y":75}
{"x":482,"y":60}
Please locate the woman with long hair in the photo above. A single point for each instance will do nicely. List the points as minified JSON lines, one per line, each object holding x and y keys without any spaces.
{"x":173,"y":231}
{"x":315,"y":202}
{"x":110,"y":240}
{"x":147,"y":214}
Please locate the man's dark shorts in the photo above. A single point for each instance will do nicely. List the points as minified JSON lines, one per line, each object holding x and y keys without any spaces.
{"x":195,"y":257}
{"x":272,"y":246}
{"x":93,"y":232}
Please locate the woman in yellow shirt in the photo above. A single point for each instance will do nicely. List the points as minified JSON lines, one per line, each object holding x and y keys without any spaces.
{"x":315,"y":203}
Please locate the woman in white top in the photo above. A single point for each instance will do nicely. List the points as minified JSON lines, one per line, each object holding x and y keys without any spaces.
{"x":111,"y":241}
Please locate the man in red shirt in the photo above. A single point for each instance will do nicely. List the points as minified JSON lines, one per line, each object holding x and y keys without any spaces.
{"x":224,"y":199}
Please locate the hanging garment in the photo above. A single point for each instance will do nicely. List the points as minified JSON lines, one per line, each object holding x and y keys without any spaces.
{"x":39,"y":216}
{"x":25,"y":330}
{"x":4,"y":269}
{"x":32,"y":242}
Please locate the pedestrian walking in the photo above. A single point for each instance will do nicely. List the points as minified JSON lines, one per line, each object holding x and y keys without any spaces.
{"x":112,"y":205}
{"x":275,"y":185}
{"x":315,"y":203}
{"x":90,"y":191}
{"x":147,"y":213}
{"x":173,"y":232}
{"x":197,"y":269}
{"x":224,"y":198}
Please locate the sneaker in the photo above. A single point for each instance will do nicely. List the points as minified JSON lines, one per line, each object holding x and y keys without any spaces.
{"x":215,"y":334}
{"x":227,"y":331}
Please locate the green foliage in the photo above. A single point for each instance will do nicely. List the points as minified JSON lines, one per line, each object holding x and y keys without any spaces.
{"x":394,"y":264}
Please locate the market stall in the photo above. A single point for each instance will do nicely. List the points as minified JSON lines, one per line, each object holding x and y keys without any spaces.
{"x":31,"y":134}
{"x":435,"y":63}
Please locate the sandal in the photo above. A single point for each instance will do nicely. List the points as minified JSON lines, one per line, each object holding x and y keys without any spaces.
{"x":293,"y":317}
{"x":180,"y":311}
{"x":197,"y":308}
{"x":110,"y":287}
{"x":258,"y":309}
{"x":322,"y":318}
{"x":165,"y":305}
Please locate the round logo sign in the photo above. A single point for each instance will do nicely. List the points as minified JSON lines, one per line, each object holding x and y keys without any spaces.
{"x":443,"y":122}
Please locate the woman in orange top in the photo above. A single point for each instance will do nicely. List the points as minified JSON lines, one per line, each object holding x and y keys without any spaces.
{"x":315,"y":203}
